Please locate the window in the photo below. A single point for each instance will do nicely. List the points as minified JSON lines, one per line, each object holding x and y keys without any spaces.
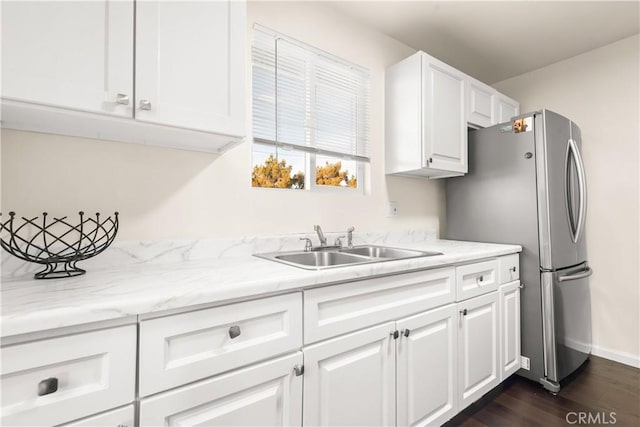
{"x":310,"y":116}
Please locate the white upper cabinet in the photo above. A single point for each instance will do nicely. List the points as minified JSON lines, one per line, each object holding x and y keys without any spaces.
{"x":426,"y":131}
{"x":506,"y":108}
{"x":428,"y":107}
{"x":189,"y":64}
{"x":76,"y":55}
{"x":68,"y":68}
{"x":444,"y":119}
{"x":481,"y":104}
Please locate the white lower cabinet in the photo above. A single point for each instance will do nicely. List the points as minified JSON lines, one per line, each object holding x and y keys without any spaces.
{"x":411,"y":349}
{"x":350,"y":380}
{"x":477,"y":348}
{"x":398,"y":373}
{"x":426,"y":367}
{"x":265,"y":394}
{"x":509,"y":329}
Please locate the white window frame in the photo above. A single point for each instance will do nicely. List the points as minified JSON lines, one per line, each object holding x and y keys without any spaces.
{"x":310,"y":155}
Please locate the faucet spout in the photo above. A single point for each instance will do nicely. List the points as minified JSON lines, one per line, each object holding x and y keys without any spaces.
{"x":323,"y":239}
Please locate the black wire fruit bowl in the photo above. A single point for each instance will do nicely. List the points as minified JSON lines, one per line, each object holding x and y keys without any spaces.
{"x":57,"y":243}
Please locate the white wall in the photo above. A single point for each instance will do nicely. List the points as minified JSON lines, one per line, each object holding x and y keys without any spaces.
{"x":599,"y":91}
{"x":164,"y":193}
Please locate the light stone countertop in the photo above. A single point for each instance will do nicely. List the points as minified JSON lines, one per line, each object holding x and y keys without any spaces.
{"x":29,"y":305}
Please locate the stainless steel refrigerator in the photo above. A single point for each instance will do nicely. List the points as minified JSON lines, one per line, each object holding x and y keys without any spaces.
{"x":526,"y":185}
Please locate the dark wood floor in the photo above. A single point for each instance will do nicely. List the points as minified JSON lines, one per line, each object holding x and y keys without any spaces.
{"x":600,"y":387}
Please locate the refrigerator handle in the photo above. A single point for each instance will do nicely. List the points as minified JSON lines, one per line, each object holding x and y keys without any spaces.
{"x":582,"y":184}
{"x":584,"y":273}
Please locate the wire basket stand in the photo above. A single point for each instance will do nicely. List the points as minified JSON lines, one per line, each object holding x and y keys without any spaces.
{"x":57,"y":243}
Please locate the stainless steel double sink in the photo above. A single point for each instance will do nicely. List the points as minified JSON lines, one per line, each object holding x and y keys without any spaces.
{"x":320,"y":258}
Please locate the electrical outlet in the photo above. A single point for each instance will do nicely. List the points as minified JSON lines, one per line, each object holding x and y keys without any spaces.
{"x":525,"y":363}
{"x":393,"y":209}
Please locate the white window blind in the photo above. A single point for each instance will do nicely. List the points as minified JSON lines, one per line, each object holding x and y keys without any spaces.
{"x":307,"y":99}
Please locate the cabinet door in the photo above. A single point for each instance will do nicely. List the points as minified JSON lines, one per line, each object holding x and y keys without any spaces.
{"x":427,"y":368}
{"x":266,"y":394}
{"x":444,"y":122}
{"x":506,"y":108}
{"x":69,"y":54}
{"x":190,"y":64}
{"x":509,"y":329}
{"x":351,"y":380}
{"x":477,"y":348}
{"x":481,"y":100}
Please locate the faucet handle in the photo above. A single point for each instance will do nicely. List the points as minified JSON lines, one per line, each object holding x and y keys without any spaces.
{"x":338,"y":241}
{"x":307,"y":245}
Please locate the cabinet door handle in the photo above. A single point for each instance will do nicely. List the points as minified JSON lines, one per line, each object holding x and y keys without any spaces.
{"x":463,"y":312}
{"x":513,"y":269}
{"x":395,"y":335}
{"x":234,"y":331}
{"x":406,"y":332}
{"x":480,"y":278}
{"x":122,"y":98}
{"x":298,"y":370}
{"x":145,"y":105}
{"x":48,"y":386}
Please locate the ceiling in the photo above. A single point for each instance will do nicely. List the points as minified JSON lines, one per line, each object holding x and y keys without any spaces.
{"x":493,"y":41}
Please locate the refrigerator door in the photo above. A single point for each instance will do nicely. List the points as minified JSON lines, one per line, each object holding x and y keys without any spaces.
{"x":561,"y":191}
{"x":567,"y":320}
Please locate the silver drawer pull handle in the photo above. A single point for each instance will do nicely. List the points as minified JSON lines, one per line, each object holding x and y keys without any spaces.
{"x":145,"y":105}
{"x":122,"y":98}
{"x":480,"y":278}
{"x":513,"y":269}
{"x":298,"y":370}
{"x":234,"y":331}
{"x":48,"y":386}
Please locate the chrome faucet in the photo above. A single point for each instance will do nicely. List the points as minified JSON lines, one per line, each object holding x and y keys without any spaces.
{"x":323,"y":240}
{"x":350,"y":236}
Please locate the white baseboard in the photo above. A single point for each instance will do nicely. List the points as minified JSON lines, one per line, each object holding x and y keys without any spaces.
{"x":616,"y":356}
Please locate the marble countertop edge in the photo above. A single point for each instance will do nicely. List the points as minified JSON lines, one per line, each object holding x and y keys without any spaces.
{"x":30,"y":305}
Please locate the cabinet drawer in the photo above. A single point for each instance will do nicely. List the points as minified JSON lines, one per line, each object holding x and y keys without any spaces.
{"x":509,"y":268}
{"x":95,"y":371}
{"x":268,"y":393}
{"x":122,"y":417}
{"x":476,"y":279}
{"x":334,"y":310}
{"x":178,"y":349}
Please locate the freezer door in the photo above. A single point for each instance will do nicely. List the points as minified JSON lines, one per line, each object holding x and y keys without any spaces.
{"x":562,"y":191}
{"x":567,"y":320}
